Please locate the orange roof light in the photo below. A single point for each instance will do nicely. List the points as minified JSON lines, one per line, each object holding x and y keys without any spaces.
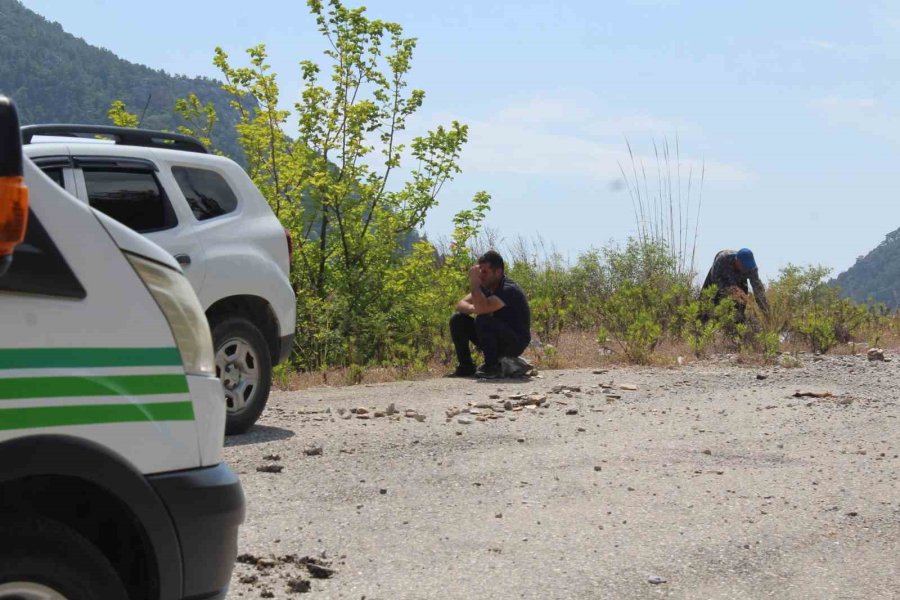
{"x":13,"y":192}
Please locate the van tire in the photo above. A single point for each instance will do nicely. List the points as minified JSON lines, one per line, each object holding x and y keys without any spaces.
{"x":37,"y":550}
{"x":241,"y":350}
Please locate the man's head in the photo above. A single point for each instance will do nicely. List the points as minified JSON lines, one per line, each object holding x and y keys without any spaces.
{"x":491,"y":265}
{"x":745,"y":260}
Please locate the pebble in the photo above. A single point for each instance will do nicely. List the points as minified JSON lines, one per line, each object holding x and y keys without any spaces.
{"x":313,"y":450}
{"x":655,"y":580}
{"x":572,"y":411}
{"x":465,"y":420}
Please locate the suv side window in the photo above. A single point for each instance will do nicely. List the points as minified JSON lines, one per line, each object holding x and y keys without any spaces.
{"x":56,"y":174}
{"x":207,"y":192}
{"x":132,"y":197}
{"x":39,"y":268}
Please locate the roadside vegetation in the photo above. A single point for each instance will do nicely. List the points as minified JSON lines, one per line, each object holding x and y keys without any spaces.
{"x":342,"y":173}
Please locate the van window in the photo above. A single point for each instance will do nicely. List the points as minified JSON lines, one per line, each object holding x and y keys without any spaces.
{"x":206,"y":191}
{"x":39,"y":268}
{"x":133,"y":198}
{"x":56,"y":175}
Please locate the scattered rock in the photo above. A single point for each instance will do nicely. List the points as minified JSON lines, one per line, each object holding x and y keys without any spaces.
{"x":391,"y":409}
{"x":363,"y":416}
{"x":299,"y":585}
{"x":382,"y":491}
{"x":521,"y":440}
{"x":812,"y":394}
{"x":267,"y":594}
{"x":875,"y":354}
{"x":248,"y":579}
{"x":318,"y":569}
{"x":508,"y":405}
{"x":379,"y":414}
{"x":761,"y":376}
{"x":266,"y":563}
{"x":465,"y":420}
{"x":494,"y":396}
{"x":599,"y":371}
{"x":572,"y":411}
{"x":581,"y":430}
{"x":628,"y":387}
{"x":313,"y":450}
{"x":597,"y":468}
{"x":272,"y":457}
{"x":655,"y":580}
{"x":360,"y":410}
{"x":707,"y":451}
{"x":270,"y":468}
{"x":346,"y":416}
{"x":418,"y":417}
{"x":247,"y":559}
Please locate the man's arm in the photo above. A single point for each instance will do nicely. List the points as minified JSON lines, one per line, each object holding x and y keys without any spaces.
{"x":482,"y":304}
{"x":759,"y":291}
{"x":465,"y":305}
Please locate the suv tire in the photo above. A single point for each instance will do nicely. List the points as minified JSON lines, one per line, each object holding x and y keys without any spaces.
{"x":244,"y":365}
{"x":41,"y":558}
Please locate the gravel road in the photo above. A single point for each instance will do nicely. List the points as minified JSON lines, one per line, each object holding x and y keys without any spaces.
{"x":706,"y":481}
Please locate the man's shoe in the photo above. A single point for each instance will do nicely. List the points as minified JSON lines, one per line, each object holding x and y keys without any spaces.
{"x":515,"y":366}
{"x":462,"y":371}
{"x":489,"y":372}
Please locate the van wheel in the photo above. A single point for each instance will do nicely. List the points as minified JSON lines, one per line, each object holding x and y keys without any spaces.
{"x":244,"y":365}
{"x":41,"y":559}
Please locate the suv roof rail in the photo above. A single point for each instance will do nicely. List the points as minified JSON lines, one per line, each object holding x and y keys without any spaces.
{"x":125,"y":136}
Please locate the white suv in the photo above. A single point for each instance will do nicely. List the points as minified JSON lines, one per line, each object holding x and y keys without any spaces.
{"x":205,"y":211}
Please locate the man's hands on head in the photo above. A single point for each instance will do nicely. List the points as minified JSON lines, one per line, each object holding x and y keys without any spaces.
{"x":475,"y":275}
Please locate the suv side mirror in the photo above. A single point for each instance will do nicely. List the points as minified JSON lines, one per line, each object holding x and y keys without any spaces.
{"x":13,"y":192}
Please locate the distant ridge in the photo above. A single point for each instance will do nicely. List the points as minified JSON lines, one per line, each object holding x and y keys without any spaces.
{"x":876,"y":275}
{"x":55,"y":77}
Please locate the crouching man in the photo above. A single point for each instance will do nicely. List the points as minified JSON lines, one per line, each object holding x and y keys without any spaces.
{"x":501,"y":327}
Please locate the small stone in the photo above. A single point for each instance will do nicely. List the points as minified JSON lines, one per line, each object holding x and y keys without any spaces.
{"x":628,"y":387}
{"x":391,"y":409}
{"x":498,"y":516}
{"x":346,"y":416}
{"x":572,"y":411}
{"x":465,"y":420}
{"x":521,"y":440}
{"x":419,"y":418}
{"x":266,"y":594}
{"x":364,"y":416}
{"x":599,"y":371}
{"x":270,"y":468}
{"x":382,"y":491}
{"x":707,"y":451}
{"x":248,"y":579}
{"x":313,"y":450}
{"x":597,"y":468}
{"x":266,"y":563}
{"x":761,"y":376}
{"x":508,"y":405}
{"x":581,"y":430}
{"x":272,"y":457}
{"x":379,"y":414}
{"x":875,"y":354}
{"x":360,"y":410}
{"x":655,"y":580}
{"x":299,"y":585}
{"x":494,"y":396}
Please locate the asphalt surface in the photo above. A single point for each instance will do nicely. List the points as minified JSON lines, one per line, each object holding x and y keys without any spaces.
{"x":704,"y":482}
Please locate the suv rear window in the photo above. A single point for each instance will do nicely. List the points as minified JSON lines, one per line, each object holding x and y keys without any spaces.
{"x":133,"y":198}
{"x":207,"y":192}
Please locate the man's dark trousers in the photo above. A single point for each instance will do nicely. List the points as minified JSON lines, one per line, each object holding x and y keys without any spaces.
{"x":494,"y":337}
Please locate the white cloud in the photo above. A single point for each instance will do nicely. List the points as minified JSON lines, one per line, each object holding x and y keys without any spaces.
{"x":571,"y":136}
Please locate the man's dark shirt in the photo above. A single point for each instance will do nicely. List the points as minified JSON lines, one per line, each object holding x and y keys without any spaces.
{"x":724,"y":274}
{"x":516,"y":313}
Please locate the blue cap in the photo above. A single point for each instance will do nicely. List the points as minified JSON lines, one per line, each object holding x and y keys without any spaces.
{"x":745,"y":255}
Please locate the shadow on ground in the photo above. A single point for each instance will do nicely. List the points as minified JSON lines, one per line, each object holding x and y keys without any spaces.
{"x":257,"y":435}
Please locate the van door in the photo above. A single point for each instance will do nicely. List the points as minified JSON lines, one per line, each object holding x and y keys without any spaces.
{"x":129,"y":190}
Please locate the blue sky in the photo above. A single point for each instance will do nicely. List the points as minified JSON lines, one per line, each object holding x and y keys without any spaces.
{"x":793,"y":107}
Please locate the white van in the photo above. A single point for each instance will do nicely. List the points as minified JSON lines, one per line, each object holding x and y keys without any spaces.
{"x":112,"y":485}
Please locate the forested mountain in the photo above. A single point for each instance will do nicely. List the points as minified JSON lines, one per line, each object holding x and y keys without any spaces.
{"x":875,"y":275}
{"x":55,"y":77}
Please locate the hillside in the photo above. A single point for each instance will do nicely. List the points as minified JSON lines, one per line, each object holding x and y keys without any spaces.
{"x":55,"y":77}
{"x":875,"y":275}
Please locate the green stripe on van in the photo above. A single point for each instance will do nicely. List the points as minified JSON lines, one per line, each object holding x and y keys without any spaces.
{"x":64,"y":358}
{"x":94,"y":414}
{"x":21,"y":388}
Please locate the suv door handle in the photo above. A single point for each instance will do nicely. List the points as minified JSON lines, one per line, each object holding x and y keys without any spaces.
{"x":183,"y":259}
